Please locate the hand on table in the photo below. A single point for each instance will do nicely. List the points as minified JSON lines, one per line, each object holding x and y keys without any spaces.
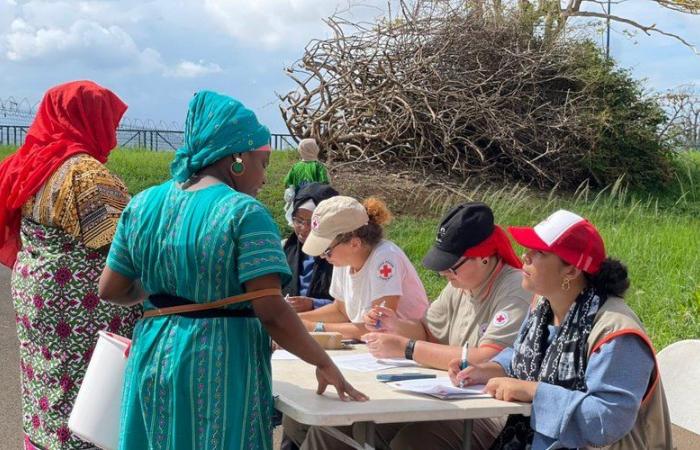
{"x":512,"y":389}
{"x":330,"y":375}
{"x":384,"y":345}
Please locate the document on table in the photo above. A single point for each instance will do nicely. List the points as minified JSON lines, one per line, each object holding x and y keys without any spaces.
{"x":283,"y":355}
{"x":365,"y":362}
{"x":440,"y":387}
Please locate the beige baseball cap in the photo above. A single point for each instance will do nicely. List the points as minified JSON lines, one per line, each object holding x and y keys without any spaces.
{"x":333,"y":216}
{"x":308,"y":149}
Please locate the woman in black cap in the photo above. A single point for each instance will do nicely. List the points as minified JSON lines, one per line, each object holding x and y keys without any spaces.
{"x":307,"y":289}
{"x":481,"y":307}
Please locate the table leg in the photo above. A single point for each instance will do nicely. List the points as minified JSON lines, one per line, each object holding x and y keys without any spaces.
{"x":364,"y":432}
{"x":344,"y":438}
{"x":467,"y":441}
{"x":369,"y":435}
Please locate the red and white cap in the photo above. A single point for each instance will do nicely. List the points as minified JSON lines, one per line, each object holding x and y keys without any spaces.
{"x":569,"y":236}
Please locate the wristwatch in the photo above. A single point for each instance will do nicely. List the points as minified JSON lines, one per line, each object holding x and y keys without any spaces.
{"x":408,"y":353}
{"x":319,"y":326}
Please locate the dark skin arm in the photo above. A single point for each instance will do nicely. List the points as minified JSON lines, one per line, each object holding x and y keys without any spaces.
{"x":118,"y":289}
{"x":280,"y":321}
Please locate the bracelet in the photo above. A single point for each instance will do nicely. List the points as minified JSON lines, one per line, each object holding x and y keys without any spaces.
{"x":319,"y":327}
{"x":408,"y":353}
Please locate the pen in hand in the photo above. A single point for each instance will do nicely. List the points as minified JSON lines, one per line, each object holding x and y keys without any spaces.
{"x":463,"y":363}
{"x":378,"y":325}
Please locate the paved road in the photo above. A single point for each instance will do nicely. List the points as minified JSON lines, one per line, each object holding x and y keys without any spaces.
{"x":10,"y":409}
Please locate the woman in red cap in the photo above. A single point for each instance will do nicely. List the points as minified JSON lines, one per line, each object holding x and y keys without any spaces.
{"x":582,"y":357}
{"x":59,"y":207}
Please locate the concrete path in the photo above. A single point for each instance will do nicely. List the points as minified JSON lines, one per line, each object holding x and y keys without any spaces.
{"x":10,"y":409}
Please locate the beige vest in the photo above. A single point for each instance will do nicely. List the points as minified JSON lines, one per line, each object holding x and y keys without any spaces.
{"x":652,"y":429}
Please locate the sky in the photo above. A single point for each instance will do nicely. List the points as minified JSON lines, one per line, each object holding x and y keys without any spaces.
{"x":156,"y":54}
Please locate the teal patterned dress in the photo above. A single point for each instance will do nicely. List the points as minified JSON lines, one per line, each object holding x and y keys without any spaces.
{"x":194,"y":383}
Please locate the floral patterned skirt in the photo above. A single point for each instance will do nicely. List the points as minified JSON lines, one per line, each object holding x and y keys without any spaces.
{"x":54,"y":289}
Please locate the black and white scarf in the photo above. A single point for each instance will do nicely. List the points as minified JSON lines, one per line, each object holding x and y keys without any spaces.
{"x":561,"y":363}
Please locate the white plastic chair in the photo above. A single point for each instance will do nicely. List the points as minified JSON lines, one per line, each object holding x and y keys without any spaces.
{"x":679,"y":364}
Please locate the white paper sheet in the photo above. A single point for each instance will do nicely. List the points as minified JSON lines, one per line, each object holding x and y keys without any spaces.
{"x":440,"y":387}
{"x":398,"y":362}
{"x":283,"y":355}
{"x":365,"y":362}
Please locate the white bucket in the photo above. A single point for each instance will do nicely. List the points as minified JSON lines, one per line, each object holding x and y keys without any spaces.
{"x":97,"y":410}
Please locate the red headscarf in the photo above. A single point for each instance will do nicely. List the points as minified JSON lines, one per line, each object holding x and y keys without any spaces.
{"x":496,"y":244}
{"x":76,"y":117}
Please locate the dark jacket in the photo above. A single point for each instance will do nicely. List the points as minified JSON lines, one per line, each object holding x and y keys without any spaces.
{"x":321,"y":273}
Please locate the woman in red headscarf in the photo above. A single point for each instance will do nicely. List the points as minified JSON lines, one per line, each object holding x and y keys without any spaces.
{"x":59,"y":207}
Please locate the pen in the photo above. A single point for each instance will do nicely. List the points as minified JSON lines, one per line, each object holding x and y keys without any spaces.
{"x":463,"y":364}
{"x":378,"y":325}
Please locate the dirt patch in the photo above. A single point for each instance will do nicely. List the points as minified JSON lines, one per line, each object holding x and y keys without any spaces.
{"x":408,"y":192}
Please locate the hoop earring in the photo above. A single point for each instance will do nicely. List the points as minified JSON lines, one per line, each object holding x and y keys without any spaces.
{"x":237,"y":167}
{"x":566,"y":284}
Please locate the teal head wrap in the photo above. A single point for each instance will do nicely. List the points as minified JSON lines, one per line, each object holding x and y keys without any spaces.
{"x":216,"y":126}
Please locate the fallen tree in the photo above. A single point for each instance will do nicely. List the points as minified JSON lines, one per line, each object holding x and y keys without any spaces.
{"x":439,"y":88}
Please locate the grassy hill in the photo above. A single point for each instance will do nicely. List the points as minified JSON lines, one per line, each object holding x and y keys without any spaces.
{"x":658,"y":236}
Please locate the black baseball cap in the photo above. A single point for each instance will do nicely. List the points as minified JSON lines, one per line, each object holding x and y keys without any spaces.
{"x":463,"y":227}
{"x":317,"y":192}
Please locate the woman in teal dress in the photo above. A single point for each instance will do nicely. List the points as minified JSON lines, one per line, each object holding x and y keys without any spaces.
{"x":199,"y":382}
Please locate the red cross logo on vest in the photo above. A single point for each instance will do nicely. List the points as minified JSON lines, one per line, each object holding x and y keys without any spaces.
{"x":501,"y":319}
{"x":386,"y":270}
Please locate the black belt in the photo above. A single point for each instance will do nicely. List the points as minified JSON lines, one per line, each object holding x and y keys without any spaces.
{"x":167,"y":300}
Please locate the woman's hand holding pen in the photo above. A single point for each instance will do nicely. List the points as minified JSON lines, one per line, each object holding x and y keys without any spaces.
{"x":381,"y":318}
{"x":474,"y":374}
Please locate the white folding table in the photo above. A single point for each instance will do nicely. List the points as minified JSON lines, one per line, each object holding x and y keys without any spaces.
{"x":294,"y":384}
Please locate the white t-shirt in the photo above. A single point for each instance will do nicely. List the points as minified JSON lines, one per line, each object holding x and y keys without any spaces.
{"x":387,"y":271}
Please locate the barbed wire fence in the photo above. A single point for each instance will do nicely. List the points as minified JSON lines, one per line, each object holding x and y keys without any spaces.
{"x":17,"y":114}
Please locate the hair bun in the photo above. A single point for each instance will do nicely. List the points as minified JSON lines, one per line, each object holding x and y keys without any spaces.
{"x":612,"y":277}
{"x":377,"y":211}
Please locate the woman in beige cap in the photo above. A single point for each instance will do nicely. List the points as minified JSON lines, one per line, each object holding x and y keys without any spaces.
{"x":367,"y":269}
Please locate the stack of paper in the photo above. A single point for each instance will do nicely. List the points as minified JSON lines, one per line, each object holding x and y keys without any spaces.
{"x":440,"y":387}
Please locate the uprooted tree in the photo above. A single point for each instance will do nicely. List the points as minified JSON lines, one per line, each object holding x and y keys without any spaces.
{"x":439,"y":87}
{"x":683,"y":109}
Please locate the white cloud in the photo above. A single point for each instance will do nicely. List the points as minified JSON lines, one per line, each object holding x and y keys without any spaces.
{"x":276,"y":24}
{"x":95,"y":46}
{"x":90,"y":42}
{"x":189,"y":69}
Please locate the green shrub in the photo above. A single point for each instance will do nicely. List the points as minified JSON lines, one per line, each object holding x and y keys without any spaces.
{"x":626,"y":122}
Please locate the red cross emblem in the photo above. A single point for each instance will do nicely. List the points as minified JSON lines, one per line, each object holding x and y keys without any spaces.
{"x":386,"y":270}
{"x":314,"y":223}
{"x":500,"y":319}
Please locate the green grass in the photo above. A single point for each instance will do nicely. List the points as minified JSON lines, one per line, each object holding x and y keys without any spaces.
{"x":658,"y":236}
